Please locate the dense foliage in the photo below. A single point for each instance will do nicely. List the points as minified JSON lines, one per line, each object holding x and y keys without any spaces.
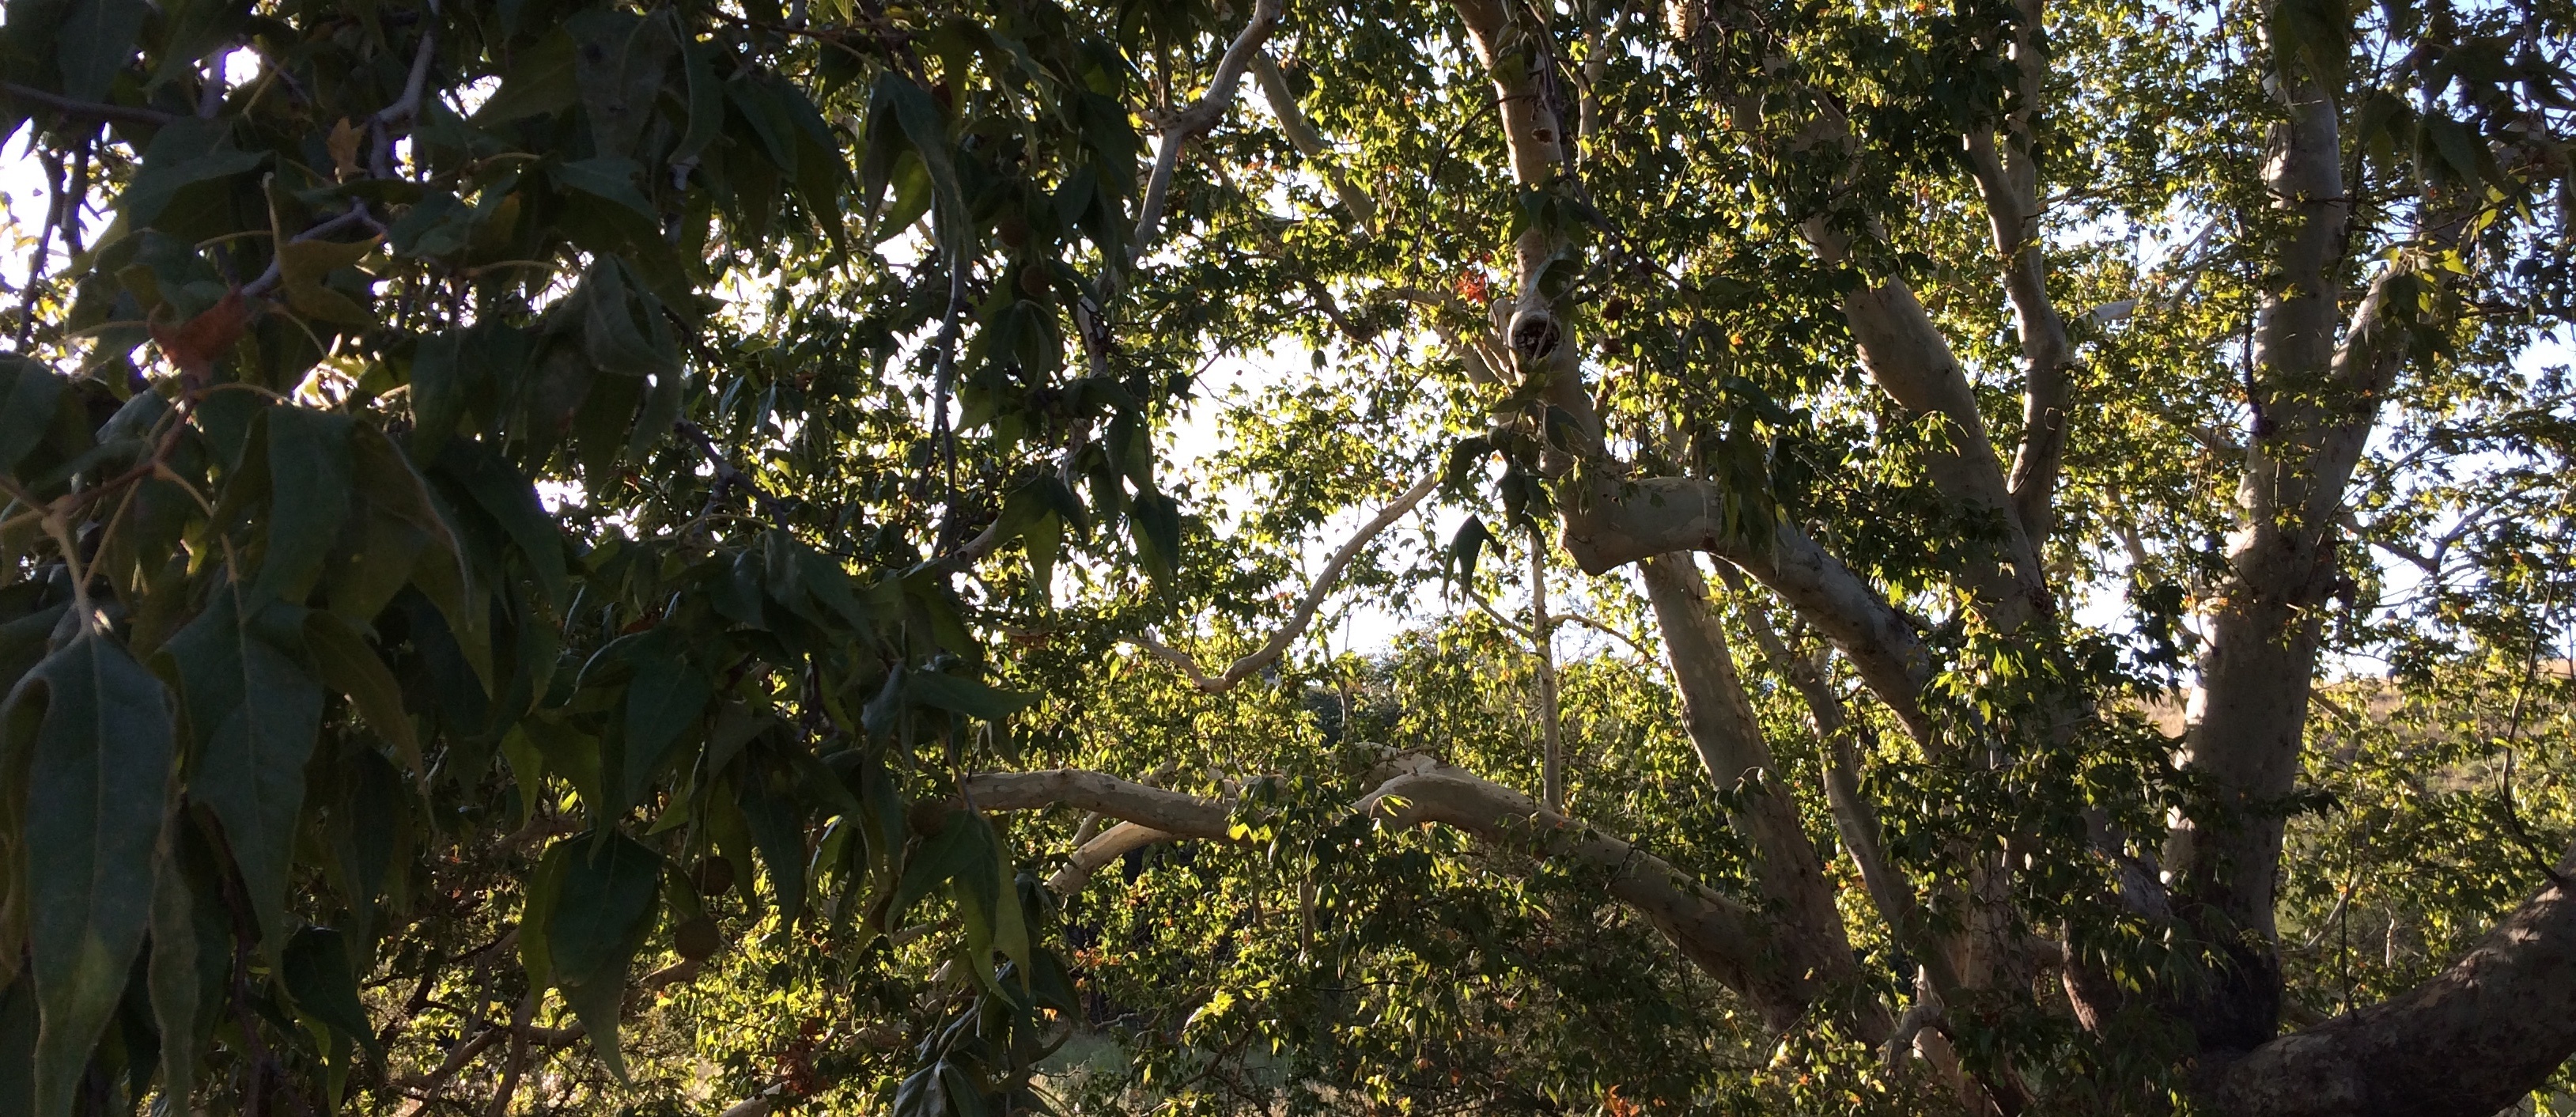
{"x":538,"y":533}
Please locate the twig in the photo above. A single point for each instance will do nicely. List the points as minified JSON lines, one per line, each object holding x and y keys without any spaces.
{"x":44,"y":245}
{"x":1551,"y":735}
{"x":407,"y":107}
{"x":728,"y":476}
{"x":276,"y":273}
{"x":95,"y":110}
{"x":1305,"y":613}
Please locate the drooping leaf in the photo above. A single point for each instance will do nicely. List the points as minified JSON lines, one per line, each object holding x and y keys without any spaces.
{"x":302,"y":266}
{"x":173,"y":973}
{"x":601,"y":918}
{"x":95,"y":41}
{"x":254,"y":713}
{"x":28,"y":392}
{"x":184,"y":152}
{"x":965,"y":696}
{"x":92,"y":728}
{"x":619,"y":59}
{"x":352,"y":668}
{"x":309,"y":497}
{"x":663,"y":703}
{"x":320,"y":977}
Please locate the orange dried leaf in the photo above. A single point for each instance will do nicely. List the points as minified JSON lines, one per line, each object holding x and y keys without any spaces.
{"x":194,"y":345}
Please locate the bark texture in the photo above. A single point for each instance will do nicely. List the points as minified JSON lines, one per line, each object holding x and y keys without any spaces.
{"x":2466,"y":1044}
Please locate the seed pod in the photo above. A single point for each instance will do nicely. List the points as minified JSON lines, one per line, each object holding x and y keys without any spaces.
{"x":696,"y":939}
{"x":714,"y":876}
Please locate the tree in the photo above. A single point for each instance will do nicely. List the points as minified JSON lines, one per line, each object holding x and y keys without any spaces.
{"x":518,"y":491}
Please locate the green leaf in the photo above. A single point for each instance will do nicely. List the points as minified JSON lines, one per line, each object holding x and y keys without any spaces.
{"x":937,"y":860}
{"x":184,"y":152}
{"x":1045,"y":541}
{"x":618,"y":62}
{"x":600,"y":920}
{"x":173,"y":973}
{"x":706,"y":101}
{"x":539,"y":82}
{"x":28,"y":392}
{"x":438,"y":384}
{"x":95,"y":41}
{"x":325,"y":985}
{"x":302,"y":266}
{"x":17,"y":1049}
{"x":308,"y":470}
{"x":1158,"y":533}
{"x":664,"y":701}
{"x":537,"y":912}
{"x":254,"y":715}
{"x":609,"y":178}
{"x":352,"y":668}
{"x":965,"y":696}
{"x":778,"y":829}
{"x":898,"y":100}
{"x":512,"y":502}
{"x":92,"y":729}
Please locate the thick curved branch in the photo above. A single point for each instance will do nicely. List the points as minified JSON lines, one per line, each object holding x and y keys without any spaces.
{"x":1194,"y":121}
{"x":1855,"y":817}
{"x":2467,"y":1043}
{"x":1175,"y":813}
{"x":1612,"y":523}
{"x":1737,"y":946}
{"x":1304,"y":614}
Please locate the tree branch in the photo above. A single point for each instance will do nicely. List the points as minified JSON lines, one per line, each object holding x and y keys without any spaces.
{"x":2007,"y":175}
{"x":1304,"y":614}
{"x":1195,"y":120}
{"x":1728,"y":736}
{"x":1612,"y":523}
{"x":1734,"y":944}
{"x":1855,"y":818}
{"x":121,"y":114}
{"x":1302,"y":135}
{"x":2467,"y":1043}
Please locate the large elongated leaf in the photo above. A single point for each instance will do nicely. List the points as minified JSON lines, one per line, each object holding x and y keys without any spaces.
{"x":663,"y":703}
{"x":323,"y":983}
{"x":354,"y":669}
{"x":619,"y":60}
{"x":602,"y":915}
{"x":172,"y":974}
{"x":94,"y":729}
{"x":184,"y":152}
{"x":308,"y":469}
{"x":27,"y":395}
{"x":254,"y":714}
{"x":96,"y":40}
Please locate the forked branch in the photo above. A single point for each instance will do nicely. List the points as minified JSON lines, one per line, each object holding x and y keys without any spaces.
{"x":1190,"y":123}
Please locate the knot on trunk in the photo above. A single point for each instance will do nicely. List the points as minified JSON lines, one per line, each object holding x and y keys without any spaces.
{"x":1535,"y":335}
